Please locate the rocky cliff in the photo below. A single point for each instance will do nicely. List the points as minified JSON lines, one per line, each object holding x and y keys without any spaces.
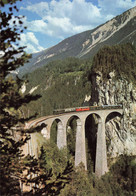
{"x":120,"y":131}
{"x":115,"y":89}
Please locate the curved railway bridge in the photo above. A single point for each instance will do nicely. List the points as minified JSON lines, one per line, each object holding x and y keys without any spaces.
{"x":81,"y":114}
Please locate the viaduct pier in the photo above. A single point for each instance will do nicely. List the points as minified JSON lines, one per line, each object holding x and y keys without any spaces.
{"x":62,"y":118}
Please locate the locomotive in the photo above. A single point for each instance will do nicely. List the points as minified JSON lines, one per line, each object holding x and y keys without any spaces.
{"x":86,"y":108}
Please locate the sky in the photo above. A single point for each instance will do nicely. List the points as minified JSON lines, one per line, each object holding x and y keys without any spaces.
{"x":51,"y":21}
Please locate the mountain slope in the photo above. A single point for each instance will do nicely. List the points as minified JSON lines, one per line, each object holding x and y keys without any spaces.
{"x":120,"y":29}
{"x":109,"y":80}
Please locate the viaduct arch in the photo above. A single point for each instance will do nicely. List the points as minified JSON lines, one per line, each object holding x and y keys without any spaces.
{"x":80,"y":150}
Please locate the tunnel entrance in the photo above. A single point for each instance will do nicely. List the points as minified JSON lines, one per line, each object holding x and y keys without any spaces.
{"x":91,"y":127}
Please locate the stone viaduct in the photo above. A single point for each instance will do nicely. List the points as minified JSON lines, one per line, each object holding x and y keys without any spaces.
{"x":80,"y":150}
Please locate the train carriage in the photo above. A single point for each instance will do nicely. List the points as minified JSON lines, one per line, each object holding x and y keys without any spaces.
{"x":86,"y":108}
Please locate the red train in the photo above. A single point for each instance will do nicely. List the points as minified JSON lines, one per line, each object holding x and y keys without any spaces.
{"x":86,"y":108}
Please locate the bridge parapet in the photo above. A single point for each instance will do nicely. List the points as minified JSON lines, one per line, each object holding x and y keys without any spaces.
{"x":81,"y":115}
{"x":87,"y":108}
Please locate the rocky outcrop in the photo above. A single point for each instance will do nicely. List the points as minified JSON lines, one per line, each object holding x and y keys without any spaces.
{"x":120,"y":29}
{"x":120,"y":131}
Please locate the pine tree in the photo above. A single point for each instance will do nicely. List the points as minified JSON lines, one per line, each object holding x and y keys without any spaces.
{"x":14,"y":167}
{"x":45,"y":183}
{"x":12,"y":135}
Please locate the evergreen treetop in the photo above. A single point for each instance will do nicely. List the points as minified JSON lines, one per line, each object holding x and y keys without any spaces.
{"x":15,"y":168}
